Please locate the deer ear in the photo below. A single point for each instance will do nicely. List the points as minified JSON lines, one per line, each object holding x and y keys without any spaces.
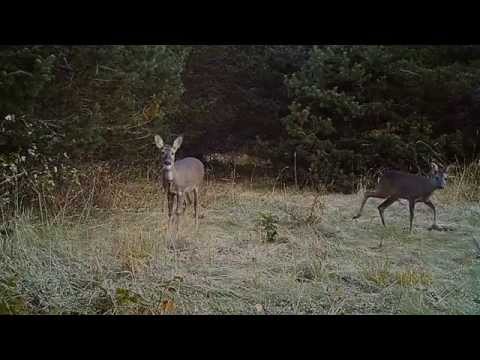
{"x":158,"y":141}
{"x":177,"y":143}
{"x":449,"y":168}
{"x":434,"y":167}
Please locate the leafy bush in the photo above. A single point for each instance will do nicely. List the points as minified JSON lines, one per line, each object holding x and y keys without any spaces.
{"x":66,"y":105}
{"x":268,"y":224}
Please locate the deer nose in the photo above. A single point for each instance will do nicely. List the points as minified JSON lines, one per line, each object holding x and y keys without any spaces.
{"x":168,"y":163}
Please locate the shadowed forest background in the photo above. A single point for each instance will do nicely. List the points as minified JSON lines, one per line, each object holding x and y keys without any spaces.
{"x":345,"y":110}
{"x":84,"y":222}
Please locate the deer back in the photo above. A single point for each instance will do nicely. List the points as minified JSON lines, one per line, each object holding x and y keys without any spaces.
{"x":405,"y":185}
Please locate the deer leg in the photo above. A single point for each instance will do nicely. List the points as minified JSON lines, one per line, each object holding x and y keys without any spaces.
{"x":179,"y":209}
{"x":367,"y":195}
{"x":195,"y":206}
{"x":411,"y":204}
{"x":431,"y":206}
{"x":166,"y":189}
{"x":384,"y":205}
{"x":184,"y":204}
{"x":166,"y":201}
{"x":180,"y":202}
{"x":189,"y":199}
{"x":171,"y":203}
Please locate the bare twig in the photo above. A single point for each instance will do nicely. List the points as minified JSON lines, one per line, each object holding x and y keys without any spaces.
{"x":409,"y":72}
{"x":278,"y":178}
{"x":13,"y":177}
{"x":20,"y":72}
{"x":295,"y":168}
{"x":438,"y":157}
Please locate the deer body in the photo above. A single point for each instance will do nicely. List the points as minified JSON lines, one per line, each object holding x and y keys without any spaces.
{"x":405,"y":186}
{"x":180,"y":178}
{"x":395,"y":185}
{"x":185,"y":175}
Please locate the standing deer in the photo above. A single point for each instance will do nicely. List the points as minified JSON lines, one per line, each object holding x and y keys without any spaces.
{"x":395,"y":185}
{"x":180,"y":178}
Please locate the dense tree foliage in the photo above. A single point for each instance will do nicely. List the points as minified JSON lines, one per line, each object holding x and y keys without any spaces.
{"x":63,"y":105}
{"x":358,"y":108}
{"x":235,"y":94}
{"x":345,"y":110}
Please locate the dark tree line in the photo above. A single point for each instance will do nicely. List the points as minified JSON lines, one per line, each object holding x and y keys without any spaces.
{"x":344,"y":110}
{"x":357,"y":108}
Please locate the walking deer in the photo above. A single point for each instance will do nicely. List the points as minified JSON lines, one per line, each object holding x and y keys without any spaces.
{"x":395,"y":185}
{"x":180,"y":178}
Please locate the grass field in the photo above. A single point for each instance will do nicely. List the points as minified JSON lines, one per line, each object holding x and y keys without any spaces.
{"x":307,"y":257}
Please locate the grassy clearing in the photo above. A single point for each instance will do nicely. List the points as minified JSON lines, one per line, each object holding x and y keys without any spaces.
{"x":257,"y":251}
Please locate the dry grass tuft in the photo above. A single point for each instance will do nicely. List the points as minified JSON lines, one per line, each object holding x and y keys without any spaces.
{"x":413,"y":278}
{"x":118,"y":258}
{"x":464,"y":185}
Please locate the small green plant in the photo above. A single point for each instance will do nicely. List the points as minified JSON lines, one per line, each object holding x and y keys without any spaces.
{"x":10,"y":301}
{"x":268,"y":224}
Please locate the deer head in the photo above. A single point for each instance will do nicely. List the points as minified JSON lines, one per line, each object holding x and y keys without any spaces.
{"x":168,"y":152}
{"x":439,"y":175}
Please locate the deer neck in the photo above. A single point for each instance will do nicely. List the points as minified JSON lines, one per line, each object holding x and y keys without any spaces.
{"x":169,"y":176}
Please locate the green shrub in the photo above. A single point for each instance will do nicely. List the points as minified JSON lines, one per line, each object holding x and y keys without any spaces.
{"x":268,"y":224}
